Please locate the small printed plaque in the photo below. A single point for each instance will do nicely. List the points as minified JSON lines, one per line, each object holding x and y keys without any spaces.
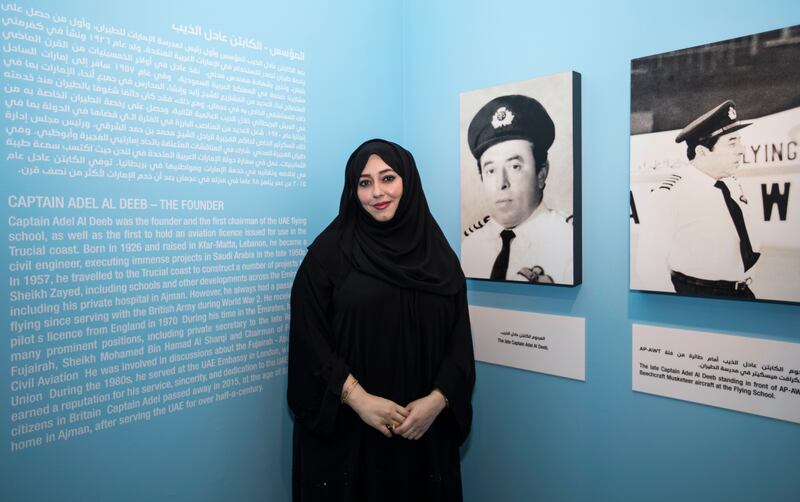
{"x":545,"y":343}
{"x":752,"y":375}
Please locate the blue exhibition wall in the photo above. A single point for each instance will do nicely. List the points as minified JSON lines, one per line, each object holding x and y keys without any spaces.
{"x":538,"y":437}
{"x":164,"y":166}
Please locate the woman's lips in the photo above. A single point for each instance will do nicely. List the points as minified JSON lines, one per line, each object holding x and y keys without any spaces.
{"x":382,"y":205}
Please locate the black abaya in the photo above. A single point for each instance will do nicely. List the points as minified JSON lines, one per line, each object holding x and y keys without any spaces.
{"x":400,"y":343}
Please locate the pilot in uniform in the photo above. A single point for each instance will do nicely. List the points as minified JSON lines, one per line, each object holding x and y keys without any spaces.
{"x":521,"y":239}
{"x":697,"y":240}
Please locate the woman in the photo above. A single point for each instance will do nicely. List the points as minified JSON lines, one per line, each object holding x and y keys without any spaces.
{"x":381,"y":366}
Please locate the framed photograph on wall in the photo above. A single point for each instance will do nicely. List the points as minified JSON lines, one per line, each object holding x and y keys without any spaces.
{"x":520,"y":181}
{"x":715,"y":169}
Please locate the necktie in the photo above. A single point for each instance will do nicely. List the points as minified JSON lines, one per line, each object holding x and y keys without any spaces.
{"x":500,"y":266}
{"x":749,"y":258}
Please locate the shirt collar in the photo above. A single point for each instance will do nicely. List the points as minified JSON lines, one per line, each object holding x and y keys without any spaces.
{"x":698,"y":176}
{"x":537,"y":214}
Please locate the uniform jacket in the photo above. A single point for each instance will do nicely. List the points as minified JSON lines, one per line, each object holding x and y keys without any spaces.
{"x":543,"y":240}
{"x":686,"y":227}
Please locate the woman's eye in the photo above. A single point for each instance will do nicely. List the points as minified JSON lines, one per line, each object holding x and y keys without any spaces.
{"x":388,"y":178}
{"x":363,"y":183}
{"x":490,"y":170}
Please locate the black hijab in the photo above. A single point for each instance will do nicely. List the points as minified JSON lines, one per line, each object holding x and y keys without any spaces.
{"x":410,"y":250}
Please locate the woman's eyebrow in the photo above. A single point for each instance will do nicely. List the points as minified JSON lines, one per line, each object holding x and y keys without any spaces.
{"x":379,"y":173}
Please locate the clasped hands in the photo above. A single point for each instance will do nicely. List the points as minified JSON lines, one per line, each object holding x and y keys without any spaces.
{"x":387,"y":417}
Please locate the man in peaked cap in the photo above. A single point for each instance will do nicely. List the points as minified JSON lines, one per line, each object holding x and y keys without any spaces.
{"x":521,"y":239}
{"x":697,"y":241}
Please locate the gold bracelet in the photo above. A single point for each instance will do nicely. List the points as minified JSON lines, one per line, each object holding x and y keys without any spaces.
{"x":349,"y":390}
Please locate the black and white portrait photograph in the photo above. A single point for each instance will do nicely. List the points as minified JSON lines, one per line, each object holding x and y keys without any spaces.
{"x":520,"y":181}
{"x":714,"y":159}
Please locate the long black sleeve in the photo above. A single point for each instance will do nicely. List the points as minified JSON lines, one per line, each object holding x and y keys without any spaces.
{"x":456,"y":375}
{"x":316,"y":372}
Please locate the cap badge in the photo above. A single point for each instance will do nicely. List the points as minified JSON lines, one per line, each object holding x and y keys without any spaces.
{"x":502,"y":117}
{"x":732,"y":113}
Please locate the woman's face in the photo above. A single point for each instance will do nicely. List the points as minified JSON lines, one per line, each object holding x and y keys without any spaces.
{"x":379,"y":189}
